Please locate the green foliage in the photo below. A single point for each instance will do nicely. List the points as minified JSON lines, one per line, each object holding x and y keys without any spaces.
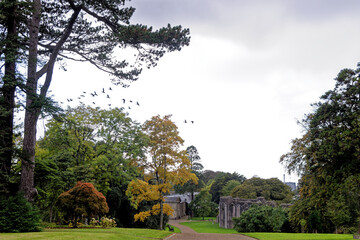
{"x":228,"y":188}
{"x":261,"y":219}
{"x":88,"y":144}
{"x":298,"y":236}
{"x":338,"y":211}
{"x":194,"y":159}
{"x":119,"y":206}
{"x":196,"y":168}
{"x":107,"y":222}
{"x":220,"y":182}
{"x":328,"y":156}
{"x":201,"y":206}
{"x":18,"y":215}
{"x":314,"y":221}
{"x":270,"y":189}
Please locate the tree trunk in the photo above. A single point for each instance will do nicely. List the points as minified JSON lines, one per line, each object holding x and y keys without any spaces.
{"x":161,"y":215}
{"x":7,"y":95}
{"x":31,"y":114}
{"x":51,"y":214}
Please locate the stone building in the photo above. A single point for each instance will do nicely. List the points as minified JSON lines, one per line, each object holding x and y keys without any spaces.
{"x":177,"y":205}
{"x":233,"y":207}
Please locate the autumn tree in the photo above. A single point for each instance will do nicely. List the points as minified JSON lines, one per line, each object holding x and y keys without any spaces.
{"x":57,"y":31}
{"x":83,"y":200}
{"x":168,"y":166}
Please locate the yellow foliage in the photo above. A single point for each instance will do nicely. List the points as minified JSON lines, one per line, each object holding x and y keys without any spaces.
{"x":142,"y":216}
{"x":139,"y":191}
{"x":169,"y":166}
{"x":154,"y":211}
{"x":167,"y":209}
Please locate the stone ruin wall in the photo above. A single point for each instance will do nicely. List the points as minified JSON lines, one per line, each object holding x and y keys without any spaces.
{"x":233,"y":207}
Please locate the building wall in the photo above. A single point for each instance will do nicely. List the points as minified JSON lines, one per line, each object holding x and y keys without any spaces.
{"x":178,"y":207}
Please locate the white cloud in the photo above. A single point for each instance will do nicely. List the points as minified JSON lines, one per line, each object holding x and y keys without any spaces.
{"x":251,"y":70}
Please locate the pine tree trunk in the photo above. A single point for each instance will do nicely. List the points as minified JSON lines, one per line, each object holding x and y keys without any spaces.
{"x":31,"y":114}
{"x":7,"y":94}
{"x":28,"y":160}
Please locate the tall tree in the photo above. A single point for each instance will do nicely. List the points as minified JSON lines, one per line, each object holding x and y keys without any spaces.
{"x":196,"y":168}
{"x":201,"y":206}
{"x":168,"y":166}
{"x":9,"y":54}
{"x":194,"y":158}
{"x":328,"y":155}
{"x":87,"y":144}
{"x":85,"y":31}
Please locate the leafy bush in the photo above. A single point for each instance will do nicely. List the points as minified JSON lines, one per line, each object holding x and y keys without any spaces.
{"x":18,"y":215}
{"x":83,"y":200}
{"x":107,"y":222}
{"x":261,"y":219}
{"x":48,"y":224}
{"x":94,"y":222}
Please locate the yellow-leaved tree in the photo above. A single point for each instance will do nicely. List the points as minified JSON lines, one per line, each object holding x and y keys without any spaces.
{"x":169,"y":166}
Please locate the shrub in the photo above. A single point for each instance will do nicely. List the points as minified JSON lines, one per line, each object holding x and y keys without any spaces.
{"x":261,"y":219}
{"x":18,"y":215}
{"x":83,"y":200}
{"x":94,"y":222}
{"x":107,"y":222}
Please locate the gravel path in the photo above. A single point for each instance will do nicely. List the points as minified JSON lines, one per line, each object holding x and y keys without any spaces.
{"x":189,"y":234}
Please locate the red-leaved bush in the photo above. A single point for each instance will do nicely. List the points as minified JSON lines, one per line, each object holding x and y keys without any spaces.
{"x":83,"y":200}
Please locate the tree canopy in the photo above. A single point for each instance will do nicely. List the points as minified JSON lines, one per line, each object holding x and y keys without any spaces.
{"x":91,"y":145}
{"x":83,"y":200}
{"x":327,"y":156}
{"x":220,"y":181}
{"x":38,"y":34}
{"x":270,"y":189}
{"x":169,"y":165}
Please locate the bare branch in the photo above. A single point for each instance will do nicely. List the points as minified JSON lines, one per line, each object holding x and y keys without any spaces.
{"x":41,"y":72}
{"x":56,"y":51}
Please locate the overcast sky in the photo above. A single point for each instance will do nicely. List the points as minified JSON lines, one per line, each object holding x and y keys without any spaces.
{"x":251,"y":71}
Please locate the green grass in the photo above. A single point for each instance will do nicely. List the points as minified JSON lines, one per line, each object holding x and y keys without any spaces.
{"x":201,"y":219}
{"x":299,"y":236}
{"x":207,"y":227}
{"x":176,"y":230}
{"x":85,"y":234}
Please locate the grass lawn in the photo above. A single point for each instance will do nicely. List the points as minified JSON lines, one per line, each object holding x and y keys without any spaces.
{"x":85,"y":234}
{"x":208,"y":227}
{"x":298,"y":236}
{"x":201,"y":219}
